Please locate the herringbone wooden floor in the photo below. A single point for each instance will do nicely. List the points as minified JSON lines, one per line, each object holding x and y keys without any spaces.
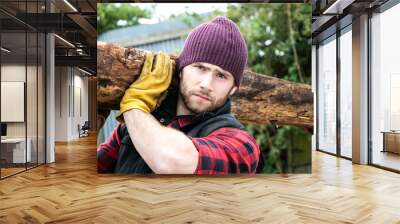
{"x":70,"y":191}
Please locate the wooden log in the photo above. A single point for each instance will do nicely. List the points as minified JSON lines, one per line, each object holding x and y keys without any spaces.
{"x":261,"y":99}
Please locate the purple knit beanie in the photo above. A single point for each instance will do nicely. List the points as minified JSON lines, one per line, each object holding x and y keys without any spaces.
{"x":218,"y":42}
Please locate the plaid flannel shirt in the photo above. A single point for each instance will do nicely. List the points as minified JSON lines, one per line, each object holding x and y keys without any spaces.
{"x":224,"y":151}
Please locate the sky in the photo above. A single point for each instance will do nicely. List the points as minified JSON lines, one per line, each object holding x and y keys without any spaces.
{"x":164,"y":10}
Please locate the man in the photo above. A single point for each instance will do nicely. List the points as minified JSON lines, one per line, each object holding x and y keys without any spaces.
{"x":191,"y":131}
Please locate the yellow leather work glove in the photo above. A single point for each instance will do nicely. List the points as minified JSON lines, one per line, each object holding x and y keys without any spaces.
{"x":147,"y":92}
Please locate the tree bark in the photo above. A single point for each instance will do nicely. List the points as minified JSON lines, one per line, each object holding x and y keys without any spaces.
{"x":261,"y":99}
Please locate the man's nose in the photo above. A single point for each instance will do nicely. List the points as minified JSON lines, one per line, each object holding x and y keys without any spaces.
{"x":206,"y":81}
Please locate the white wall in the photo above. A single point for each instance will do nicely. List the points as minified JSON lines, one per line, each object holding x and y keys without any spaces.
{"x":71,"y":94}
{"x":33,"y":127}
{"x":80,"y":101}
{"x":14,"y":73}
{"x":61,"y":103}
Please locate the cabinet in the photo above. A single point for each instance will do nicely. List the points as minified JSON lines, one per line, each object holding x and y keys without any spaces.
{"x":391,"y":142}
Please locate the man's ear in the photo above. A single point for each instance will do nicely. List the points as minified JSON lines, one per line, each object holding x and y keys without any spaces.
{"x":233,"y":90}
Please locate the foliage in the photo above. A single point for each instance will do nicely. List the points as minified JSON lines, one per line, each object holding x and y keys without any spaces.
{"x":266,"y":30}
{"x":278,"y":37}
{"x":112,"y":16}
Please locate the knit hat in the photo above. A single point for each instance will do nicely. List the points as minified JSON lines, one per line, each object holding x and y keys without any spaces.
{"x":218,"y":42}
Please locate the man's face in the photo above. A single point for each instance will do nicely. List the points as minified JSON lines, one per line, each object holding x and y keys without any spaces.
{"x":205,"y":87}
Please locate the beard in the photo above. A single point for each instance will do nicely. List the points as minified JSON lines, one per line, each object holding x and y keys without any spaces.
{"x":197,"y":105}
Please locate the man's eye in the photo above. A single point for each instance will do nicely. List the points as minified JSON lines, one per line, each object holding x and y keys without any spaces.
{"x":200,"y":67}
{"x":222,"y":76}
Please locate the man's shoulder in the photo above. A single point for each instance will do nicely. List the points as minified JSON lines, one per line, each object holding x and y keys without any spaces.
{"x":224,"y":120}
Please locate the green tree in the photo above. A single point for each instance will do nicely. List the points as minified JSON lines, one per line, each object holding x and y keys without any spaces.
{"x":278,"y":37}
{"x":112,"y":16}
{"x":275,"y":34}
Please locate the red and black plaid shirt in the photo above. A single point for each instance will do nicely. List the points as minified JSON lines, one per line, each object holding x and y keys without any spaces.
{"x":226,"y":150}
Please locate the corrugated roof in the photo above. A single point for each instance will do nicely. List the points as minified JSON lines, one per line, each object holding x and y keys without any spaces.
{"x":168,"y":29}
{"x":171,"y":46}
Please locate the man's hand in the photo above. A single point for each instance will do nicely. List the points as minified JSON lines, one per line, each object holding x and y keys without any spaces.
{"x":146,"y":93}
